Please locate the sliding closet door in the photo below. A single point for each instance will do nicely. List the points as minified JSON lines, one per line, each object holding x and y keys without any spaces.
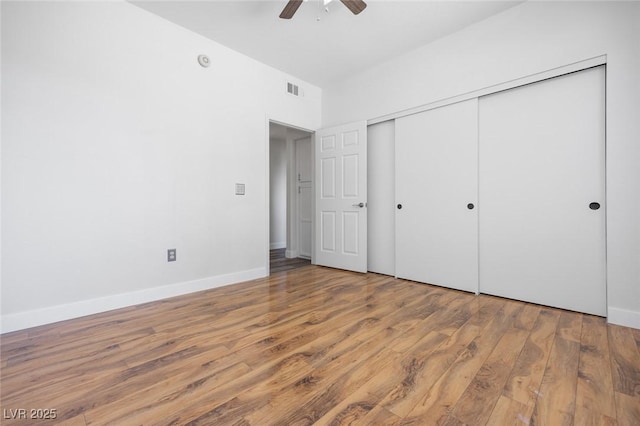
{"x":542,"y":192}
{"x":436,"y":191}
{"x":381,"y":210}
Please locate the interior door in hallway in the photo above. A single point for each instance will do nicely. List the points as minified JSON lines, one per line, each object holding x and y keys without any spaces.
{"x":542,"y":192}
{"x":436,"y":195}
{"x":304,"y":197}
{"x":340,"y":197}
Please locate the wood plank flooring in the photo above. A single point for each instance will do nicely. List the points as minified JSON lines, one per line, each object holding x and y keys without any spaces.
{"x":278,"y":262}
{"x":321,"y":346}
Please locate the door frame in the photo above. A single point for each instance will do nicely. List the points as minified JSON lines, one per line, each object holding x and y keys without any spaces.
{"x":267,"y":243}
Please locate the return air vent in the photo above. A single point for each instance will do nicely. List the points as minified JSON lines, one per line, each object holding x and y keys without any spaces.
{"x":293,"y":89}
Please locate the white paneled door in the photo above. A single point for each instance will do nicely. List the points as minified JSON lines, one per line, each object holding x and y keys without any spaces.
{"x":542,"y":192}
{"x":340,"y":197}
{"x":436,"y":195}
{"x":304,"y":198}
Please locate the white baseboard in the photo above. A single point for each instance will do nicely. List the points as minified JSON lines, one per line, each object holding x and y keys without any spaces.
{"x":281,"y":245}
{"x":28,"y":319}
{"x":290,"y":254}
{"x":623,"y":317}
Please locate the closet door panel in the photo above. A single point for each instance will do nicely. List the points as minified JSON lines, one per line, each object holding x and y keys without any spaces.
{"x":381,"y":219}
{"x":542,"y":165}
{"x":436,"y":186}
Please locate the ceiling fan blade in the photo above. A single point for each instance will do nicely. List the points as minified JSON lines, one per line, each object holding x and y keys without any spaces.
{"x":355,"y":6}
{"x":290,"y":9}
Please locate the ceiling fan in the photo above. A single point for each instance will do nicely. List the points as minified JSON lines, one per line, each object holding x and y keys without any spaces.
{"x":355,"y":6}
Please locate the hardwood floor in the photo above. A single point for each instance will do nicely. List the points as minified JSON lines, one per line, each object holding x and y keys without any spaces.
{"x":322,"y":346}
{"x":278,"y":262}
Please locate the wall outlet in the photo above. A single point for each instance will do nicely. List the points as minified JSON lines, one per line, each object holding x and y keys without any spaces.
{"x":239,"y":188}
{"x":171,"y":255}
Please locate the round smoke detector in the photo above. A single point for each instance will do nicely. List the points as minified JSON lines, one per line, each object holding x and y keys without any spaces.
{"x":204,"y":60}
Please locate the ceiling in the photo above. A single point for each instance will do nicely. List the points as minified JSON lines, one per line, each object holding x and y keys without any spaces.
{"x":321,"y":47}
{"x":282,"y":133}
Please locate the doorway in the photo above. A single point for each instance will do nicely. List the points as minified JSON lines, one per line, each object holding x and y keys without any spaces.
{"x":290,"y":183}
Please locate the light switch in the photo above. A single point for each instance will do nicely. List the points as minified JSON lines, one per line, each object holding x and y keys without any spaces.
{"x":239,"y":188}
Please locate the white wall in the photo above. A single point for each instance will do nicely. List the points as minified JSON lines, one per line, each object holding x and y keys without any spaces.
{"x":278,"y":194}
{"x":524,"y":40}
{"x":117,"y":145}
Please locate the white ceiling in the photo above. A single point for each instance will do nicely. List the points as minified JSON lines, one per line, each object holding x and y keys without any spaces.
{"x":320,"y":47}
{"x":282,"y":133}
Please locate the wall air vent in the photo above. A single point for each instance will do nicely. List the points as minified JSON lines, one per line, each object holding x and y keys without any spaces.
{"x":293,"y":89}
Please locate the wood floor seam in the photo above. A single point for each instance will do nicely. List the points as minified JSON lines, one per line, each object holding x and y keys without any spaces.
{"x":314,"y":345}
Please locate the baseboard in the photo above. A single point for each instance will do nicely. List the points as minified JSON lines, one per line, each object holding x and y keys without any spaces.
{"x":34,"y":318}
{"x":290,"y":254}
{"x":273,"y":246}
{"x":623,"y":317}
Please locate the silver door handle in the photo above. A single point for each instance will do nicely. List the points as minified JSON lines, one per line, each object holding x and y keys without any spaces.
{"x":361,"y":205}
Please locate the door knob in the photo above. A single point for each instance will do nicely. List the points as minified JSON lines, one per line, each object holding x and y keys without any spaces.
{"x":361,"y":205}
{"x":399,"y":206}
{"x":594,"y":206}
{"x":470,"y":206}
